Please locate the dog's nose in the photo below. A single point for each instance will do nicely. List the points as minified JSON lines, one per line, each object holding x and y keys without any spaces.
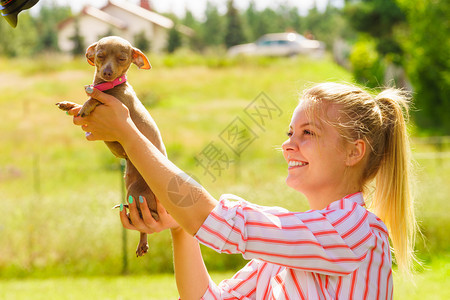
{"x":107,"y":73}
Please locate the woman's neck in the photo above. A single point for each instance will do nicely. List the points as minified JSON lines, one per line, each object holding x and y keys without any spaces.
{"x":318,"y":201}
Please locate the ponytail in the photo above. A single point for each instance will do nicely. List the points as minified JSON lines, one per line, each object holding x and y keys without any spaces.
{"x":392,"y":200}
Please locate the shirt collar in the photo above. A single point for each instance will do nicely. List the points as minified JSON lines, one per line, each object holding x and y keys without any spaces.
{"x":340,"y":204}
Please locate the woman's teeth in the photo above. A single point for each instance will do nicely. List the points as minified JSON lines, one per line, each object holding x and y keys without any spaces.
{"x":294,"y":163}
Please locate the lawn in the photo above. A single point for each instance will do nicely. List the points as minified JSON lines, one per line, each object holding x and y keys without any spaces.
{"x":429,"y":284}
{"x":58,"y":234}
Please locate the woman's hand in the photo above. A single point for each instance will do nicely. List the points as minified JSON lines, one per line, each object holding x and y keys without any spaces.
{"x":108,"y":122}
{"x":147,"y":224}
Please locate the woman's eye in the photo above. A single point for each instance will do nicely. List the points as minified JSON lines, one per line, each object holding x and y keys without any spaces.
{"x":308,"y":132}
{"x":289,"y":134}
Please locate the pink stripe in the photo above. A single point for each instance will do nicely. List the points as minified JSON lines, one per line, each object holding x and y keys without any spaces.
{"x":378,"y":227}
{"x":338,"y":289}
{"x":314,"y":220}
{"x":295,"y":242}
{"x":320,"y":284}
{"x":261,"y":271}
{"x":352,"y":289}
{"x":219,"y":236}
{"x":244,"y":281}
{"x":235,"y":229}
{"x":344,"y":217}
{"x":287,"y":256}
{"x":283,"y":286}
{"x":251,"y":292}
{"x":362,"y":241}
{"x":387,"y":285}
{"x":379,"y":270}
{"x":211,"y":292}
{"x":212,"y":246}
{"x":271,"y":225}
{"x":326,"y":232}
{"x":366,"y":291}
{"x":354,"y":228}
{"x":309,"y":269}
{"x":297,"y":285}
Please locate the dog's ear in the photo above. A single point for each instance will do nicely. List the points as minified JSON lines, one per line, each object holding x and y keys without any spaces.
{"x":140,"y":60}
{"x":90,"y":54}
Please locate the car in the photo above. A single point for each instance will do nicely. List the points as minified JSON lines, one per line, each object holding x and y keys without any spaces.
{"x":279,"y":44}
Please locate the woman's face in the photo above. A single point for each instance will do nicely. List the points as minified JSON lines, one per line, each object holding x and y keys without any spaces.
{"x":315,"y":153}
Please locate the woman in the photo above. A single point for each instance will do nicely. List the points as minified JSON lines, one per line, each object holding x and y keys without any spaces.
{"x":340,"y":139}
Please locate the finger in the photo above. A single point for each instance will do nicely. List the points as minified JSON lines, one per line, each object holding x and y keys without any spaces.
{"x":90,"y":136}
{"x":74,"y":111}
{"x":160,"y":209}
{"x":79,"y":120}
{"x":146,"y":215}
{"x":84,"y":127}
{"x":124,"y":219}
{"x":102,"y":97}
{"x":134,"y":214}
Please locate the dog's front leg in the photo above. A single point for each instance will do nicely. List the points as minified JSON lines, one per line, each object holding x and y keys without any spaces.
{"x":88,"y":107}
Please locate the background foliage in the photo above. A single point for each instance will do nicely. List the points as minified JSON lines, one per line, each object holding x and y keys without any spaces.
{"x":410,"y":38}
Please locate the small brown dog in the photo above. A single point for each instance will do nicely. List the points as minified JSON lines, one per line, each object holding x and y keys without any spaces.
{"x":112,"y":57}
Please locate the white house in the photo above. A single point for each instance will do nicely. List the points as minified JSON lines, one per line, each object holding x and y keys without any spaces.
{"x":121,"y":18}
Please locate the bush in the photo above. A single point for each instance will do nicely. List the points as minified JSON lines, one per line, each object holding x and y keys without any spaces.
{"x":367,"y":65}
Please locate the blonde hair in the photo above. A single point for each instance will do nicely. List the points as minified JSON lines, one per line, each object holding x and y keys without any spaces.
{"x":381,"y":122}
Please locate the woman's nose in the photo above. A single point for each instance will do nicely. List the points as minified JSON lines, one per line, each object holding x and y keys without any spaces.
{"x":288,"y":145}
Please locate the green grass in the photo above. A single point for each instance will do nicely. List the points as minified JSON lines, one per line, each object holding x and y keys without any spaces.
{"x":57,"y":189}
{"x":429,"y":284}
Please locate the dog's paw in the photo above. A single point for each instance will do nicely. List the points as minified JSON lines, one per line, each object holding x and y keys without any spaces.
{"x":66,"y":105}
{"x":142,"y":249}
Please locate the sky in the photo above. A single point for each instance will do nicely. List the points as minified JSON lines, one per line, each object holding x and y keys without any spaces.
{"x":197,"y":7}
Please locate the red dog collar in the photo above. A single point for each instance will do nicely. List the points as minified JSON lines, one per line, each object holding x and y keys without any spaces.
{"x":108,"y":85}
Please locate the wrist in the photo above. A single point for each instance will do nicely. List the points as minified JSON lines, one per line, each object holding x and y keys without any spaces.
{"x":177,"y":231}
{"x":129,"y":133}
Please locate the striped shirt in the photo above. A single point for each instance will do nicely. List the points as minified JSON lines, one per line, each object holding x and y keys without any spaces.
{"x":340,"y":252}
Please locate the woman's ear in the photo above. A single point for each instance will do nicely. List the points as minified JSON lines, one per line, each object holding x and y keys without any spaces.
{"x":355,"y":152}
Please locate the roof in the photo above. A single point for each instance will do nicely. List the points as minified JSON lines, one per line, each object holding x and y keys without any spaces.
{"x":103,"y":16}
{"x":134,"y":9}
{"x":142,"y":12}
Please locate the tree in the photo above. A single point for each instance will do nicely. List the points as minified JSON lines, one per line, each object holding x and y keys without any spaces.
{"x":234,"y":33}
{"x":427,"y":52}
{"x":78,"y":40}
{"x":19,"y":41}
{"x":46,"y":22}
{"x":195,"y":41}
{"x":174,"y":41}
{"x":213,"y":28}
{"x":327,"y":26}
{"x":141,"y":41}
{"x":379,"y":19}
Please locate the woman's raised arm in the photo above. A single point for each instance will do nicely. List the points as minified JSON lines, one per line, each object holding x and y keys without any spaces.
{"x":186,"y":200}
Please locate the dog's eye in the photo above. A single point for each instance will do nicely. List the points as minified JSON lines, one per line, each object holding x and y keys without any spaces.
{"x":100,"y":57}
{"x":122,"y":59}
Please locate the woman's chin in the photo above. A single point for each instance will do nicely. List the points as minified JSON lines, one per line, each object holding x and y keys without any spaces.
{"x":293,"y":183}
